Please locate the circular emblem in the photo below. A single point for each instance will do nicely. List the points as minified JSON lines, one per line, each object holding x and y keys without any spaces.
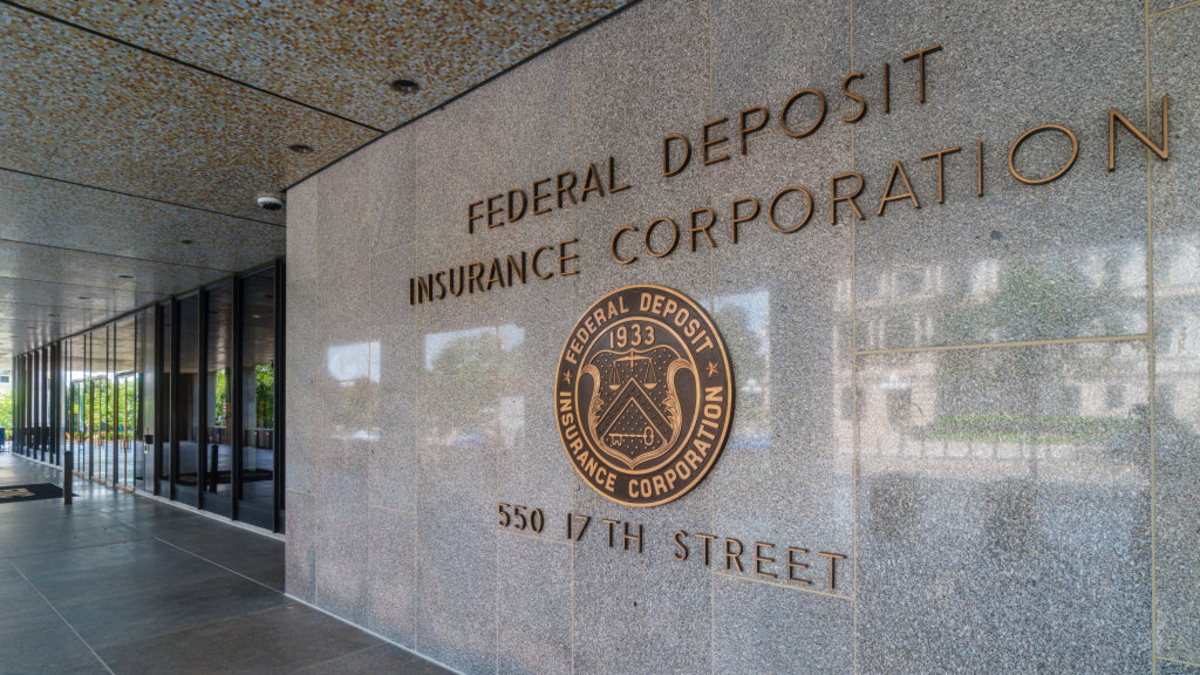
{"x":644,"y":395}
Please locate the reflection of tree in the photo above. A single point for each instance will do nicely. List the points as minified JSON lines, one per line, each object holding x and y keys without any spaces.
{"x":746,"y":349}
{"x":1030,"y":301}
{"x":468,"y":354}
{"x":6,"y":415}
{"x":472,"y":354}
{"x":264,"y":394}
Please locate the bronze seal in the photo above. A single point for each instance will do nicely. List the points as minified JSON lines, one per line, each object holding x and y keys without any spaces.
{"x":644,"y":395}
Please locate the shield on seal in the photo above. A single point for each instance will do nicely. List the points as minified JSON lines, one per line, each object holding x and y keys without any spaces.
{"x":634,"y":415}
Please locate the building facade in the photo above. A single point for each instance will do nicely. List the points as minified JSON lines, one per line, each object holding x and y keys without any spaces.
{"x":951,"y":253}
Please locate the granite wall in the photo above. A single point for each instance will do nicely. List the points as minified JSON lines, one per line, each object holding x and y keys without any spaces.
{"x":989,"y":404}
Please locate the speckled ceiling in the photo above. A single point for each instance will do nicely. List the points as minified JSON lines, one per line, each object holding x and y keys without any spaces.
{"x":128,"y":126}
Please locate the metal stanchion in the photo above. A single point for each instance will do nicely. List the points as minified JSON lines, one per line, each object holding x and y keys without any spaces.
{"x":68,"y":475}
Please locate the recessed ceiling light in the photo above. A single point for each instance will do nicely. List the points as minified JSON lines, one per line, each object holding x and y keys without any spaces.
{"x":300,"y":148}
{"x":187,"y":241}
{"x":405,"y":86}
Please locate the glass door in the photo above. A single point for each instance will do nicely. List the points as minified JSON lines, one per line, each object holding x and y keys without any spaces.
{"x":125,"y":427}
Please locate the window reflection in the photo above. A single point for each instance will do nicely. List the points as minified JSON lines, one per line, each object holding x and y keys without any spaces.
{"x":151,"y":400}
{"x":186,"y":411}
{"x":744,"y":319}
{"x":258,"y":382}
{"x":218,"y":446}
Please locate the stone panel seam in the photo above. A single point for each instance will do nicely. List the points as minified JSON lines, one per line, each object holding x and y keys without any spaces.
{"x":1150,"y":350}
{"x":372,"y":633}
{"x":1180,"y":662}
{"x":798,"y":589}
{"x":854,"y":439}
{"x":388,"y":508}
{"x":712,"y":299}
{"x":1155,"y":15}
{"x":61,"y":617}
{"x":1016,"y":343}
{"x":534,"y":537}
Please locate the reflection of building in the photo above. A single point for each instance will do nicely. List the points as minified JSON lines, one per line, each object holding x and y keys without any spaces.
{"x":926,"y":306}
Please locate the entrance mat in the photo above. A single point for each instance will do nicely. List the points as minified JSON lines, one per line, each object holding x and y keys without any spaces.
{"x":30,"y":492}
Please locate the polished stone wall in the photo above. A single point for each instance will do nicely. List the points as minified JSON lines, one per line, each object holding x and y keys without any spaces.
{"x":989,"y":405}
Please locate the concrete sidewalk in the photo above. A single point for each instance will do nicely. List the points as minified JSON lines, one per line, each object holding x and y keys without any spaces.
{"x":120,"y":583}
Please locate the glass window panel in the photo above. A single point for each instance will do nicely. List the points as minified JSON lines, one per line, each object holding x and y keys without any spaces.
{"x":187,"y":399}
{"x":163,"y":395}
{"x":144,"y":425}
{"x":218,"y":447}
{"x":258,"y":398}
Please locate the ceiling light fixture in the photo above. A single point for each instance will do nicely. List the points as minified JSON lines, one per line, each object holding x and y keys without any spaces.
{"x":405,"y":86}
{"x":300,"y":148}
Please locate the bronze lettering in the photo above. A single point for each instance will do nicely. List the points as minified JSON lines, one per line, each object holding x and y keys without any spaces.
{"x":731,"y":556}
{"x":738,"y":220}
{"x":495,"y":275}
{"x":793,"y":565}
{"x":563,"y":257}
{"x":707,"y":538}
{"x":941,"y":170}
{"x":712,"y":218}
{"x":519,"y":268}
{"x":979,"y":169}
{"x":539,"y":196}
{"x":682,"y":553}
{"x":533,"y":264}
{"x":610,"y":524}
{"x":472,"y":216}
{"x":515,"y":214}
{"x":674,"y":237}
{"x":1012,"y":152}
{"x":708,"y":143}
{"x":613,"y":185}
{"x":591,"y":183}
{"x":788,"y":106}
{"x":862,"y":103}
{"x":616,"y":239}
{"x":745,"y":131}
{"x":440,"y":294}
{"x":566,"y":187}
{"x":493,"y":211}
{"x":759,"y":559}
{"x":833,"y":558}
{"x":775,"y":201}
{"x":628,"y":537}
{"x":474,"y":275}
{"x":1113,"y":117}
{"x":834,"y":198}
{"x":898,"y":170}
{"x":687,"y":154}
{"x":887,"y":89}
{"x":920,"y":56}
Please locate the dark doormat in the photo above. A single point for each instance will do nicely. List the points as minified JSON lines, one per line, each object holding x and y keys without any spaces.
{"x":30,"y":492}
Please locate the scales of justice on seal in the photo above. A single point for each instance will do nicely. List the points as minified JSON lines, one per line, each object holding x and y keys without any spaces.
{"x":644,"y":395}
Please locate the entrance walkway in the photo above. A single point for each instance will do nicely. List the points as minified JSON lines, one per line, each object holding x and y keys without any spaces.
{"x":119,"y":583}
